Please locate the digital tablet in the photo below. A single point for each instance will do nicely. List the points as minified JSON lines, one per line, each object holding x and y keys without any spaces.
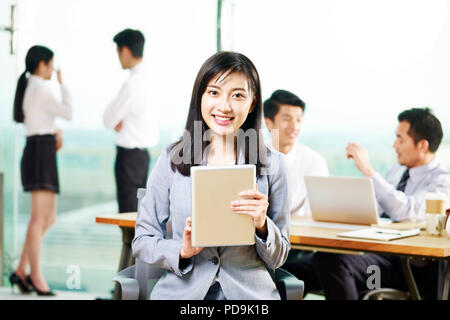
{"x":214,"y":223}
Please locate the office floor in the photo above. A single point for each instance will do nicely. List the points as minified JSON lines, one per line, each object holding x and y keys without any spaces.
{"x":7,"y":294}
{"x":311,"y":296}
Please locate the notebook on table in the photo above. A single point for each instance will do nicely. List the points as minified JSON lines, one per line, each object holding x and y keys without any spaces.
{"x":380,"y":234}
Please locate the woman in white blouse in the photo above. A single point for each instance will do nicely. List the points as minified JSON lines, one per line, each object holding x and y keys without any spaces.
{"x":36,"y":107}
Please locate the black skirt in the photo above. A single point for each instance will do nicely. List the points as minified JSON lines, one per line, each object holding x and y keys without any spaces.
{"x":39,"y":166}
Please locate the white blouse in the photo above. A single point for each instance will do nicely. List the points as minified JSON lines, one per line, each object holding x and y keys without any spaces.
{"x":41,"y":107}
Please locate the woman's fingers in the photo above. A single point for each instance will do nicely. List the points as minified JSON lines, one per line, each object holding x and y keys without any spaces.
{"x":248,"y":208}
{"x":187,"y":250}
{"x":254,"y":202}
{"x":254,"y":194}
{"x":240,"y":203}
{"x":249,"y":213}
{"x":188,"y":226}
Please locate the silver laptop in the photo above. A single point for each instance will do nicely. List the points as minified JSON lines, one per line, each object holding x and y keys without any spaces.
{"x":342,"y":200}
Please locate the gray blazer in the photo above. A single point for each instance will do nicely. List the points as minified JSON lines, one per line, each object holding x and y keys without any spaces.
{"x":241,"y":270}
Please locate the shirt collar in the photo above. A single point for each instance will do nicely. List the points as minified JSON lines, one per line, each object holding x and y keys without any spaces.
{"x":419,"y":172}
{"x":35,"y":78}
{"x":137,"y":67}
{"x":293,"y":151}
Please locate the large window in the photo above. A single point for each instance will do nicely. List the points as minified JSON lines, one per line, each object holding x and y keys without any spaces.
{"x":355,"y":63}
{"x":180,"y":36}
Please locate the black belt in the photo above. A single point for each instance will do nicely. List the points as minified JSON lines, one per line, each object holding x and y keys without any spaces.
{"x":41,"y":137}
{"x":129,"y":149}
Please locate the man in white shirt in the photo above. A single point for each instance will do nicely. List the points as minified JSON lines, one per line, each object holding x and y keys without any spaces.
{"x":401,"y":196}
{"x":283,"y":111}
{"x":135,"y":122}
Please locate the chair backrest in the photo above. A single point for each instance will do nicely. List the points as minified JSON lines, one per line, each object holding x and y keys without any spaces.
{"x":147,"y":275}
{"x":140,"y":195}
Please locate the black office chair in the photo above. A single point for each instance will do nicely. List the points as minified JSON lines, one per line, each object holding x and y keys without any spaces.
{"x":137,"y":281}
{"x":385,"y":294}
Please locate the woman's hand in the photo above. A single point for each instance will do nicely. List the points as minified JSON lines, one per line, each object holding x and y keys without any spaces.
{"x":254,"y":204}
{"x":59,"y":139}
{"x":187,"y":250}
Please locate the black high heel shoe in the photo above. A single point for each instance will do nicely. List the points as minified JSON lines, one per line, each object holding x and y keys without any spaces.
{"x":49,"y":293}
{"x":14,"y":279}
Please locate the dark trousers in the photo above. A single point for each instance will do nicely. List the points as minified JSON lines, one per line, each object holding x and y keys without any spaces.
{"x":345,"y":277}
{"x":131,"y":169}
{"x":300,"y":264}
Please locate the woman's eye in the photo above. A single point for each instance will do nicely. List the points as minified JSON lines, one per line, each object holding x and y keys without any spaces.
{"x":239,"y":95}
{"x":212,"y":92}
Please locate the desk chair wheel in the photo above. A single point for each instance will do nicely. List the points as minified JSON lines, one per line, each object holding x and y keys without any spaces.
{"x":386,"y":294}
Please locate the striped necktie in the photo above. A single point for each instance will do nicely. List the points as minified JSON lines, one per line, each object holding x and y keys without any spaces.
{"x":402,"y":184}
{"x":400,"y":187}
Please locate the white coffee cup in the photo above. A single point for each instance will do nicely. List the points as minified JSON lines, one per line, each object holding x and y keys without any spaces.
{"x":435,"y":213}
{"x":436,"y":224}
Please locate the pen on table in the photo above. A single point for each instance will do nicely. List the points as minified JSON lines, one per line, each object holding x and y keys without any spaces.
{"x":393,"y":233}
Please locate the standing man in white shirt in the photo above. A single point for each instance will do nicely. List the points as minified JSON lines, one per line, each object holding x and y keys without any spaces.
{"x":135,"y":121}
{"x":131,"y":116}
{"x":401,"y":196}
{"x":284,"y":111}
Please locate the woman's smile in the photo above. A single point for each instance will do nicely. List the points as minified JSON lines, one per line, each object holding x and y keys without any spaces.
{"x":222,"y":120}
{"x":226,"y":103}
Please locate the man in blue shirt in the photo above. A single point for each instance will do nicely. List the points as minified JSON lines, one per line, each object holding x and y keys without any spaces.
{"x":401,"y":196}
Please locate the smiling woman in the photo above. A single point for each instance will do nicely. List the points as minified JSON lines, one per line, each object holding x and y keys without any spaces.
{"x":226,"y":100}
{"x":226,"y":97}
{"x":227,"y":103}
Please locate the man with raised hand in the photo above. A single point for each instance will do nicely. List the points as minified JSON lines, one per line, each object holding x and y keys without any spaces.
{"x":400,"y":196}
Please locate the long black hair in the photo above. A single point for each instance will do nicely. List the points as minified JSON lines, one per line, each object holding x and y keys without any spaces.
{"x":35,"y":55}
{"x":224,"y":62}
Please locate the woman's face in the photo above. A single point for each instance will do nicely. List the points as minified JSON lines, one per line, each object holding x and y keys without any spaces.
{"x":226,"y":103}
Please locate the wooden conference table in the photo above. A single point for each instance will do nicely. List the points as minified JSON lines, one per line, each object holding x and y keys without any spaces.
{"x":325,"y":239}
